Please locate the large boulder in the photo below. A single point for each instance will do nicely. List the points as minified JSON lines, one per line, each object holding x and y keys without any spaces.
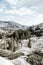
{"x":34,"y":59}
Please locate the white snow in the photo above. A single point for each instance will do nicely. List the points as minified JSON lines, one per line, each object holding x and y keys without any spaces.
{"x":25,"y":50}
{"x":4,"y":61}
{"x":19,"y":61}
{"x":37,"y":42}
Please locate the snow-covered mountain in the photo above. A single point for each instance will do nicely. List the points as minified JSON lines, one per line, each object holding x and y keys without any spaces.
{"x":11,"y":24}
{"x":37,"y":26}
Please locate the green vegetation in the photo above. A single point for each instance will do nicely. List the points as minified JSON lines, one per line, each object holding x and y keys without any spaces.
{"x":21,"y":34}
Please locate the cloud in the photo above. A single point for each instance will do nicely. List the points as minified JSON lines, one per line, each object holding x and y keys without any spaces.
{"x":21,"y":11}
{"x":35,"y":5}
{"x":31,"y":3}
{"x":7,"y":18}
{"x":12,"y":2}
{"x":1,"y":8}
{"x":26,"y":12}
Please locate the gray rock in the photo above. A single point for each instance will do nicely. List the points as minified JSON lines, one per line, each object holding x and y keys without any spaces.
{"x":9,"y":54}
{"x":34,"y":59}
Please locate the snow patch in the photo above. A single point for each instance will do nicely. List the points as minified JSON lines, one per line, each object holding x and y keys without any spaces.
{"x":25,"y":50}
{"x":19,"y":61}
{"x":4,"y":61}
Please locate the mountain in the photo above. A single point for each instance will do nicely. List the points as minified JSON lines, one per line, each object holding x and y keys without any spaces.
{"x":37,"y":29}
{"x":38,"y":25}
{"x":11,"y":25}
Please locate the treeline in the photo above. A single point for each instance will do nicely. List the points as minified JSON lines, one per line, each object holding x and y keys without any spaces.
{"x":36,"y":31}
{"x":21,"y":34}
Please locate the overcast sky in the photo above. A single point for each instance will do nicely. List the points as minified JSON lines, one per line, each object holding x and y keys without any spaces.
{"x":26,"y":12}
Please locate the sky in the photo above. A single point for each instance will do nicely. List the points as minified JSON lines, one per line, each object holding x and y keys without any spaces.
{"x":25,"y":12}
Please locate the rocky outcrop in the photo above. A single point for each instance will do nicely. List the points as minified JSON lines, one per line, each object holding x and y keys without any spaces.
{"x":34,"y":59}
{"x":9,"y":54}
